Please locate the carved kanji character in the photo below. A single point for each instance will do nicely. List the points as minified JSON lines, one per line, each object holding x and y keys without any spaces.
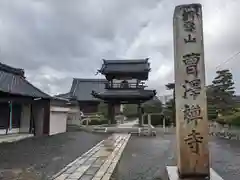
{"x":189,"y":14}
{"x":193,"y":88}
{"x":193,"y":140}
{"x":191,"y":61}
{"x":190,"y":39}
{"x":192,"y":113}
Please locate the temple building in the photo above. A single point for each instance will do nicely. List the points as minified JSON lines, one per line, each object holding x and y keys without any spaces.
{"x":25,"y":109}
{"x":81,"y":100}
{"x":125,"y":85}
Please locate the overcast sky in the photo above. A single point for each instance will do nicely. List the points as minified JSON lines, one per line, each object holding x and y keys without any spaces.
{"x":56,"y":40}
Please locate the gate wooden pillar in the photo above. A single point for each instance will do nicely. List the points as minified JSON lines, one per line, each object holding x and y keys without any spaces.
{"x":111,"y":113}
{"x":140,"y":118}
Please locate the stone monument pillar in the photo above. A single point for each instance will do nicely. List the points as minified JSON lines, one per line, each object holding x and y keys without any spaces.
{"x":190,"y":97}
{"x":191,"y":104}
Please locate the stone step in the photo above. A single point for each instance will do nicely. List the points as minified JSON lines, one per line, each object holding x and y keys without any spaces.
{"x":144,"y":132}
{"x":100,"y":129}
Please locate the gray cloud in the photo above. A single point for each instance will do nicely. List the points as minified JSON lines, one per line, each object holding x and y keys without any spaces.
{"x":55,"y":41}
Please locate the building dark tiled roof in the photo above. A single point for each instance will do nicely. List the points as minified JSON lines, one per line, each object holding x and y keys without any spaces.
{"x":12,"y":70}
{"x":12,"y":81}
{"x":154,"y":100}
{"x":116,"y":66}
{"x":125,"y":94}
{"x":81,"y":88}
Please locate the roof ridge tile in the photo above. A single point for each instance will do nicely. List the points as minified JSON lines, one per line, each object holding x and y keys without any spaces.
{"x":12,"y":70}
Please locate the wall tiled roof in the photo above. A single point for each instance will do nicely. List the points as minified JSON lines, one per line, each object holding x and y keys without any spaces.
{"x":12,"y":81}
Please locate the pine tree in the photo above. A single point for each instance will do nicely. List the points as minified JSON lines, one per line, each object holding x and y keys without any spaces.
{"x":170,"y":109}
{"x":212,"y":110}
{"x":223,"y":92}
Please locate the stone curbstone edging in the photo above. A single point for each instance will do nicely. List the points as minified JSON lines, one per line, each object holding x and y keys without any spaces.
{"x":225,"y":135}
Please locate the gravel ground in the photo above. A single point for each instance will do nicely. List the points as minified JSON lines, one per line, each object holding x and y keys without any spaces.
{"x":146,"y":158}
{"x":39,"y":158}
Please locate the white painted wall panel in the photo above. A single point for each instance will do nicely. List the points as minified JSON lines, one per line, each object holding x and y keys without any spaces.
{"x":58,"y":122}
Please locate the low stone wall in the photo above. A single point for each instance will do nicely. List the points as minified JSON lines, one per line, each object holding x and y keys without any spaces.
{"x":225,"y":132}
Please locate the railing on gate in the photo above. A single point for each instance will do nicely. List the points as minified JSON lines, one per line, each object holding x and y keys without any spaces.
{"x":149,"y":120}
{"x":127,"y":85}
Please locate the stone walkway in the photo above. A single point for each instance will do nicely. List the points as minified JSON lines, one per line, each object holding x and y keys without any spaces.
{"x":98,"y":163}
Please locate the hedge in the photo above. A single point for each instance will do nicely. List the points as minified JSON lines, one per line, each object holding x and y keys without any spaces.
{"x":233,"y":119}
{"x":131,"y":115}
{"x":96,"y":122}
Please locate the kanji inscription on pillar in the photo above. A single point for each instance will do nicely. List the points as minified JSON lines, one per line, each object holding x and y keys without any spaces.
{"x":192,"y":88}
{"x":192,"y":114}
{"x":193,"y":140}
{"x":190,"y":91}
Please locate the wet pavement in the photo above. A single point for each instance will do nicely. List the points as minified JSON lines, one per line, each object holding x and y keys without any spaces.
{"x":39,"y":158}
{"x":146,"y":158}
{"x":225,"y":155}
{"x":143,"y":158}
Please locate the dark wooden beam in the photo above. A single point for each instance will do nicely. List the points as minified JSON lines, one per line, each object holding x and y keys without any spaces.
{"x":46,"y":118}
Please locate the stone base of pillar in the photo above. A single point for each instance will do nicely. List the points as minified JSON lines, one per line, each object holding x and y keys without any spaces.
{"x":172,"y":173}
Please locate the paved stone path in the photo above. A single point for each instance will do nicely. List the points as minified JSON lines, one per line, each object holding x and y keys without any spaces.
{"x":98,"y":163}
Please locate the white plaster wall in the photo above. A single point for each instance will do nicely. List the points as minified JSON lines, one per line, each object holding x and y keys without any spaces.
{"x":25,"y":119}
{"x":58,"y":122}
{"x":74,"y":119}
{"x":74,"y":116}
{"x":121,"y":107}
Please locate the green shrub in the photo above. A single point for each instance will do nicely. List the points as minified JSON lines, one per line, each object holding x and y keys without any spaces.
{"x":221,"y":121}
{"x":96,"y":121}
{"x":233,"y":119}
{"x":212,"y":116}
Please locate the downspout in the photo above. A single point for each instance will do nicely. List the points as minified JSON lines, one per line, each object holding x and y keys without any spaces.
{"x":10,"y":117}
{"x":10,"y":122}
